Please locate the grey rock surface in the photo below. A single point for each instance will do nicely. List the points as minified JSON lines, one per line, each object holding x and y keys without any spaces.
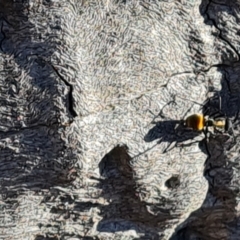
{"x":92,"y":94}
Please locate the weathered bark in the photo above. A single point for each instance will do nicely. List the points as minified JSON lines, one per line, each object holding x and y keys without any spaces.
{"x":92,"y":94}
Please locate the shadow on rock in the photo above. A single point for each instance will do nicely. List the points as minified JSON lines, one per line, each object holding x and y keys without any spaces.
{"x":34,"y":155}
{"x":126,"y":210}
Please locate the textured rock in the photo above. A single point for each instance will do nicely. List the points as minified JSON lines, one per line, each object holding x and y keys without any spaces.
{"x":92,"y":93}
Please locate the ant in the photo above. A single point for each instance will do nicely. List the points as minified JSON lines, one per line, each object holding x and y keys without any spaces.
{"x":198,"y":123}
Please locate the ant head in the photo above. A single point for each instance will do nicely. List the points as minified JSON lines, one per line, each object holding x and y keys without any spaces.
{"x":210,"y":122}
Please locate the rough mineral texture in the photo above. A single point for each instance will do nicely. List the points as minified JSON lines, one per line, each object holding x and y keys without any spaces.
{"x":92,"y":94}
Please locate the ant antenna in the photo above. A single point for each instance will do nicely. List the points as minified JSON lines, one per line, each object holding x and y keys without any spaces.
{"x":187,"y":112}
{"x":161,"y":114}
{"x":192,"y":101}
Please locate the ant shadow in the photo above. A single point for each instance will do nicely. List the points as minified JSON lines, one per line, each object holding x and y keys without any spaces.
{"x":173,"y":132}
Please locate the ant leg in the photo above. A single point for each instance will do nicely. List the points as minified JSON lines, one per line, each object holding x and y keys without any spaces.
{"x":187,"y":112}
{"x":182,"y":145}
{"x":161,"y":114}
{"x":200,"y":104}
{"x":236,"y":117}
{"x":205,"y":140}
{"x":226,"y":77}
{"x":169,"y":148}
{"x":171,"y":102}
{"x":234,"y":120}
{"x":213,"y":106}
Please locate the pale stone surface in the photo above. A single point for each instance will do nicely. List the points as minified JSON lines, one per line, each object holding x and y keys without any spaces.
{"x":83,"y":143}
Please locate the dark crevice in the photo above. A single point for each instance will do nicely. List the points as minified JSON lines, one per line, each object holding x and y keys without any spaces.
{"x":70,"y":94}
{"x":4,"y":36}
{"x":220,"y":31}
{"x":220,"y":65}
